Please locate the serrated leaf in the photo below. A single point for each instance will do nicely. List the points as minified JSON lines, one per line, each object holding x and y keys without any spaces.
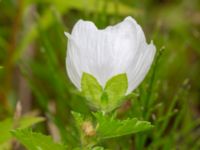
{"x":36,"y":141}
{"x":7,"y":125}
{"x":91,"y":89}
{"x":109,"y":127}
{"x":115,"y":89}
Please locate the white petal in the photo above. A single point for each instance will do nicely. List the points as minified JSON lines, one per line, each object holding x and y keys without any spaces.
{"x":137,"y":74}
{"x":77,"y":53}
{"x":104,"y":53}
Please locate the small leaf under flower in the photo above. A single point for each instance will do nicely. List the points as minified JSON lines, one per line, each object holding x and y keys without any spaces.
{"x":108,"y":98}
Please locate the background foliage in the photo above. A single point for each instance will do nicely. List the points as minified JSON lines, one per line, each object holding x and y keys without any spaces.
{"x":32,"y":60}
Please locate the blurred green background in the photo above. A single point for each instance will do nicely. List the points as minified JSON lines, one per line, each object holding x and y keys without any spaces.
{"x":32,"y":60}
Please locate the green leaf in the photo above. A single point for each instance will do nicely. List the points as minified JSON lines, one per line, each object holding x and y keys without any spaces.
{"x":97,"y":148}
{"x":36,"y":141}
{"x":109,"y":127}
{"x":115,"y":89}
{"x":94,"y":148}
{"x":79,"y":119}
{"x":6,"y":146}
{"x":5,"y":127}
{"x":28,"y":121}
{"x":91,"y":89}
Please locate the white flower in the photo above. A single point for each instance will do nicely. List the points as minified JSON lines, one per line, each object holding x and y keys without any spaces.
{"x":104,"y":53}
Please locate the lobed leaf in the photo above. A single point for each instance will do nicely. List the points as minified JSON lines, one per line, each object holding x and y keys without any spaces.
{"x":36,"y":141}
{"x":7,"y":125}
{"x":109,"y":127}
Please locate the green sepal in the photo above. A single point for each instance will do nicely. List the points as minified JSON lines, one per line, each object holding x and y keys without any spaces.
{"x":91,"y":90}
{"x":104,"y":99}
{"x":115,"y":89}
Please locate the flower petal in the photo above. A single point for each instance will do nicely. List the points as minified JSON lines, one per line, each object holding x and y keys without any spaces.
{"x":121,"y":48}
{"x":136,"y":75}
